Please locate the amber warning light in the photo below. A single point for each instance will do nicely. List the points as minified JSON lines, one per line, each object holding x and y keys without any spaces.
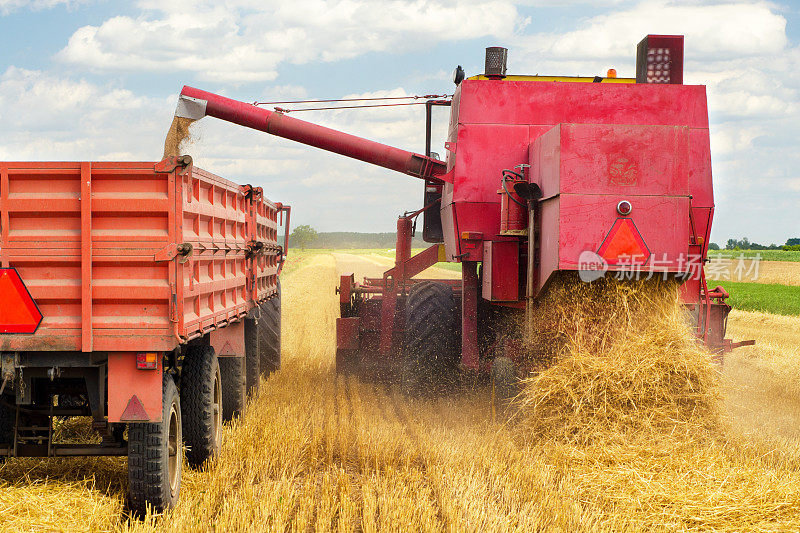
{"x":147,"y":361}
{"x":18,"y":311}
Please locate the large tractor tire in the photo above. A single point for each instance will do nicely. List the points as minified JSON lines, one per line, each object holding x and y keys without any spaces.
{"x":234,"y":391}
{"x":269,"y":338}
{"x":155,"y":456}
{"x":504,"y":384}
{"x":7,"y":421}
{"x":252,"y":355}
{"x":431,"y":340}
{"x":201,"y":404}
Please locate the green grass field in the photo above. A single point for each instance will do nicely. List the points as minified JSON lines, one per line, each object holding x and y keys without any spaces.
{"x":766,"y":255}
{"x":768,"y":298}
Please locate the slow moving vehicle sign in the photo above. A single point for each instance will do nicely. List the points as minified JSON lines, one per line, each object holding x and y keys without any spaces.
{"x":18,"y":311}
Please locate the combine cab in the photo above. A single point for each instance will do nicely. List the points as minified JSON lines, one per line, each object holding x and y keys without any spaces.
{"x":543,"y":175}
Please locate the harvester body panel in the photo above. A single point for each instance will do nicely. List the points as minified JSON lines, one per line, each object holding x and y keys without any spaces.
{"x":585,"y":171}
{"x":495,"y":125}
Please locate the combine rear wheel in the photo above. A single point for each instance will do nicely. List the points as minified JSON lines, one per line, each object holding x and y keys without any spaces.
{"x":269,"y":334}
{"x":155,"y":456}
{"x":201,"y":404}
{"x":7,"y":421}
{"x":233,"y":386}
{"x":431,"y":340}
{"x":504,"y":384}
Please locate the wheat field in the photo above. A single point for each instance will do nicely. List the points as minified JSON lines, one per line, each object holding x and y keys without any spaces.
{"x":320,"y":452}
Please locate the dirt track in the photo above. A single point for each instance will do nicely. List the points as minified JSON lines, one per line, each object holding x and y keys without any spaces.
{"x":763,"y":381}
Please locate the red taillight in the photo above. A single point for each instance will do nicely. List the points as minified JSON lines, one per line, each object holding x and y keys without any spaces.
{"x":18,"y":310}
{"x":147,"y":360}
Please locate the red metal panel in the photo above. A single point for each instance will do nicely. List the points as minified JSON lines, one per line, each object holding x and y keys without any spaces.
{"x":4,"y":261}
{"x":86,"y":257}
{"x":612,"y":159}
{"x":97,"y":245}
{"x":532,"y":102}
{"x":469,"y":315}
{"x":347,"y":333}
{"x":567,"y":231}
{"x":88,"y":254}
{"x":482,"y":152}
{"x":228,"y":341}
{"x":584,"y":171}
{"x":126,"y":381}
{"x":485,"y":114}
{"x":501,"y":271}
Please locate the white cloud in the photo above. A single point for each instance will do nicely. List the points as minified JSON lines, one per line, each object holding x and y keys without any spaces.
{"x":49,"y":117}
{"x":9,"y":6}
{"x":730,"y":29}
{"x":246,"y":40}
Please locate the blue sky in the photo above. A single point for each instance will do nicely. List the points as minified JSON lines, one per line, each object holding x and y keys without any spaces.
{"x":97,"y":80}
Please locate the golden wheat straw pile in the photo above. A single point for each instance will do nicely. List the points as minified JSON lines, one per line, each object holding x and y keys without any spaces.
{"x":616,"y":357}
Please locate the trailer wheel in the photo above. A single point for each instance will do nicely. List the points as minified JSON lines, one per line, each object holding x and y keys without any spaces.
{"x":430,"y":343}
{"x":233,"y":386}
{"x":201,"y":404}
{"x":7,"y":420}
{"x":504,"y":384}
{"x":155,"y":456}
{"x":269,"y":327}
{"x":252,"y":355}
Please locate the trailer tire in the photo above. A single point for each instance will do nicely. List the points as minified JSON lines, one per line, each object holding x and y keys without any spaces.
{"x":430,"y":343}
{"x":201,"y":404}
{"x":7,"y":421}
{"x":234,"y":391}
{"x":504,"y":384}
{"x":269,"y":327}
{"x":155,"y":456}
{"x":252,"y":355}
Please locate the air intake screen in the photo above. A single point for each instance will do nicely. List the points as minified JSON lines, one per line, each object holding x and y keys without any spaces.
{"x":659,"y":59}
{"x":496,"y":57}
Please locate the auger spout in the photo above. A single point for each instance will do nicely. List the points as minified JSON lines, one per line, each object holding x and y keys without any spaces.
{"x":194,"y":104}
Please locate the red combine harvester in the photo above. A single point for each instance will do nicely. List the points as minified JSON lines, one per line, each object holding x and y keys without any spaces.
{"x":543,"y":175}
{"x":143,"y":295}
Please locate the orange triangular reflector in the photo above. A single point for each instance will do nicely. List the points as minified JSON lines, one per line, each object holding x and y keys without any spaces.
{"x":18,"y":310}
{"x":134,"y":412}
{"x":624,"y":244}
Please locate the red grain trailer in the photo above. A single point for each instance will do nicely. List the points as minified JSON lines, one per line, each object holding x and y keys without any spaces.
{"x":144,"y":295}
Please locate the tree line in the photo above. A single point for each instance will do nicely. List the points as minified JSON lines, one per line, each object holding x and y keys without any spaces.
{"x":305,"y":236}
{"x":744,"y":243}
